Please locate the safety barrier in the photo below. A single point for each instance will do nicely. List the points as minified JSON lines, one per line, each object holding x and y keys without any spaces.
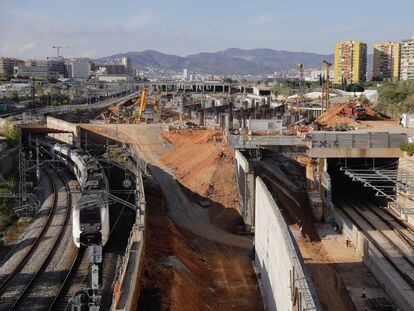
{"x":125,"y":280}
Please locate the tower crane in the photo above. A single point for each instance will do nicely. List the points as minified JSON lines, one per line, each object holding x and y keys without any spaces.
{"x":328,"y":66}
{"x":301,"y":80}
{"x":58,"y":48}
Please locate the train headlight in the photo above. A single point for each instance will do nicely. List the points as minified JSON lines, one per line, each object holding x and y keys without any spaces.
{"x":98,"y":227}
{"x":82,"y":228}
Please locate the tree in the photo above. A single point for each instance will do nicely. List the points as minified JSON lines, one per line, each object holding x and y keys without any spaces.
{"x":392,"y":93}
{"x":10,"y":132}
{"x":14,"y":96}
{"x":282,"y":90}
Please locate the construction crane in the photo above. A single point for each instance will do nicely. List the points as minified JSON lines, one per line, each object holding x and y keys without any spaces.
{"x":301,"y":80}
{"x":58,"y":48}
{"x":328,"y":66}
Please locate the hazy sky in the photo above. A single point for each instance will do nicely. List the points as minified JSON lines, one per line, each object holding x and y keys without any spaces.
{"x":29,"y":28}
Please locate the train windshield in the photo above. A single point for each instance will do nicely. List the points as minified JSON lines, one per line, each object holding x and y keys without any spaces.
{"x":90,"y":216}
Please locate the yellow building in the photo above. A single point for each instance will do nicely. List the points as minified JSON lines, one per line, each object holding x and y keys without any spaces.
{"x":387,"y":61}
{"x":350,"y":64}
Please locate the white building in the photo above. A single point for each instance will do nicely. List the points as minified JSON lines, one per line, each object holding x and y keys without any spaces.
{"x":128,"y":66}
{"x":114,"y":78}
{"x":78,"y":69}
{"x":186,"y":75}
{"x":407,"y":59}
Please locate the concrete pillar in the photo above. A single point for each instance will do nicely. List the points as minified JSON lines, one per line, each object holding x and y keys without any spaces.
{"x":201,"y":118}
{"x":243,"y":118}
{"x":231,"y":114}
{"x":222,"y":122}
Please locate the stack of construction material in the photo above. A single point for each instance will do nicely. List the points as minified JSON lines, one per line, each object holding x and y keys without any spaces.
{"x":183,"y":125}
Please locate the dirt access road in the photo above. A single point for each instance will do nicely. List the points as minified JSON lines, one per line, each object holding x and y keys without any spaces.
{"x":230,"y":278}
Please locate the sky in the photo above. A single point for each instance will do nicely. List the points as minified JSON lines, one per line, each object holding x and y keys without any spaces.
{"x":96,"y":28}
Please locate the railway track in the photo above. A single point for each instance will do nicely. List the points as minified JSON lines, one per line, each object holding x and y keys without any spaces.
{"x":404,"y":230}
{"x":21,"y":281}
{"x":74,"y":281}
{"x":381,"y":233}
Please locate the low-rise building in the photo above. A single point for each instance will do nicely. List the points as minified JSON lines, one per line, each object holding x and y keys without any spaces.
{"x":33,"y":71}
{"x":7,"y":65}
{"x":114,"y":78}
{"x":78,"y":69}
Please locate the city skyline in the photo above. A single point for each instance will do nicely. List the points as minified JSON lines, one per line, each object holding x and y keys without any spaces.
{"x":100,"y":28}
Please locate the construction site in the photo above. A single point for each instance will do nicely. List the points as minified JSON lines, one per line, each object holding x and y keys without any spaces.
{"x":231,"y":199}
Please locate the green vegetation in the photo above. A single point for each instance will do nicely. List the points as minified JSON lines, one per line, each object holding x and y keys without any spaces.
{"x":15,"y":96}
{"x":396,"y":98}
{"x":6,"y":205}
{"x":11,"y":132}
{"x":283,"y":90}
{"x":408,"y":147}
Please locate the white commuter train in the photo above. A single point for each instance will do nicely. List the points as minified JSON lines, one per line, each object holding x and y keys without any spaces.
{"x":90,"y":215}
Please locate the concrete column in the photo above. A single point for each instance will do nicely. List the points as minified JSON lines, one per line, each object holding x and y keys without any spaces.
{"x":231,"y":114}
{"x":201,"y":118}
{"x":243,"y":118}
{"x":222,"y":122}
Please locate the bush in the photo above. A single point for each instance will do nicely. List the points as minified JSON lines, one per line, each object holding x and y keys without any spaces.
{"x":408,"y":147}
{"x":10,"y":132}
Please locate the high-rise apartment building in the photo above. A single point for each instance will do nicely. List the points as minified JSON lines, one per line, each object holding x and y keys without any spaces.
{"x":387,"y":60}
{"x":407,"y":59}
{"x":350,"y":64}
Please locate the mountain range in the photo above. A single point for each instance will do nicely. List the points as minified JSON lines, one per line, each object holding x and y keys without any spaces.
{"x":229,"y":61}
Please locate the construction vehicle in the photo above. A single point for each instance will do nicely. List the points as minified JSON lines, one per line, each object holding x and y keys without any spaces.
{"x":142,"y":105}
{"x":354,"y":111}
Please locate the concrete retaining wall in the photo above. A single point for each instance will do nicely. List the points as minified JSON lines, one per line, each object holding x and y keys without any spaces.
{"x":62,"y":125}
{"x":286,"y":283}
{"x":245,"y":189}
{"x":399,"y":291}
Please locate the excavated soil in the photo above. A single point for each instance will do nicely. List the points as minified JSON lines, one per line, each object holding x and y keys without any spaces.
{"x":204,"y":164}
{"x":184,"y":270}
{"x":333,"y":118}
{"x":330,"y":287}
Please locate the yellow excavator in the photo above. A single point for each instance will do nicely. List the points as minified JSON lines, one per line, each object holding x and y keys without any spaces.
{"x":143,"y":105}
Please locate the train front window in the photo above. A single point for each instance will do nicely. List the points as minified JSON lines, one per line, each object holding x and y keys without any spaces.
{"x":90,"y":216}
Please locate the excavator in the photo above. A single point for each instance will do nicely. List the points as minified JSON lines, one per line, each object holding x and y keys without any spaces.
{"x":142,"y":105}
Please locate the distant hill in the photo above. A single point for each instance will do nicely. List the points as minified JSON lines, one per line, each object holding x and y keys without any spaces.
{"x":229,"y":61}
